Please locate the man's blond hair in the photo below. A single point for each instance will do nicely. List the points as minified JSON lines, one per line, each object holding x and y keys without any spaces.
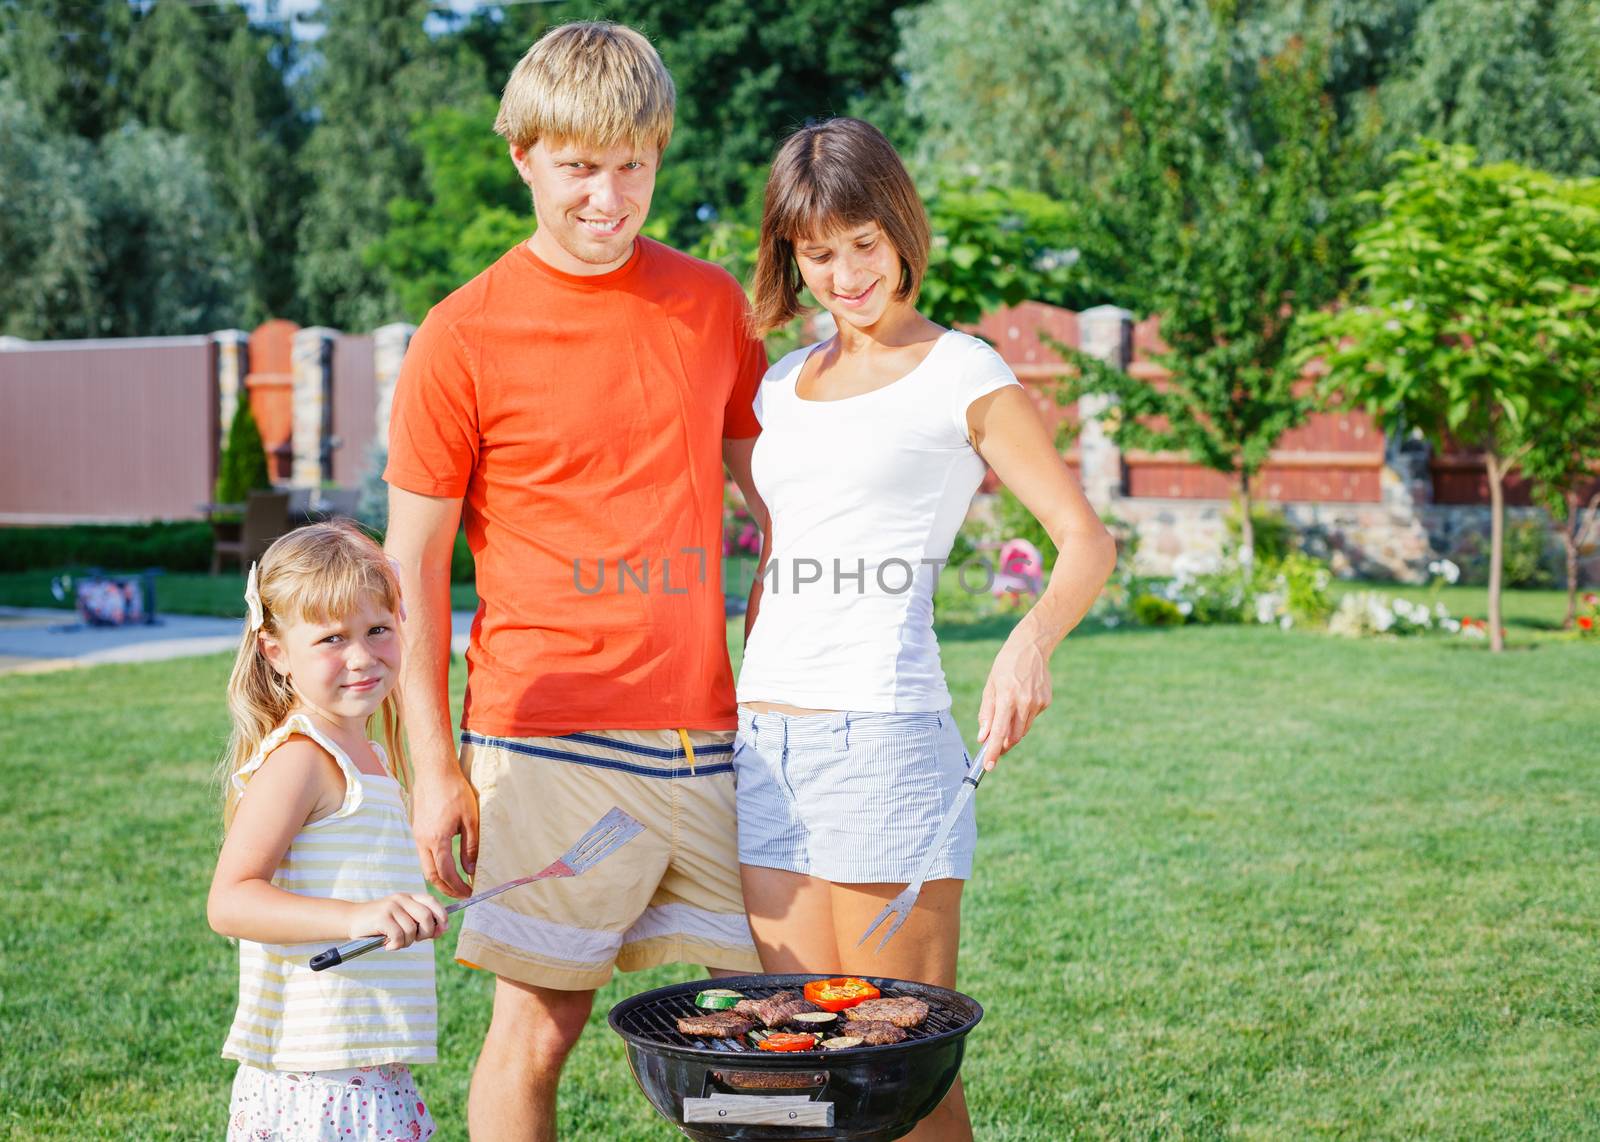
{"x":592,"y":82}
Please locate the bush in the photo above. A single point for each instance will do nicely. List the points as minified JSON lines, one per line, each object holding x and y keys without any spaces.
{"x":242,"y":468}
{"x":1274,"y":537}
{"x":1154,"y":611}
{"x":1527,"y":564}
{"x":1304,"y":582}
{"x":1221,"y":596}
{"x":112,"y":547}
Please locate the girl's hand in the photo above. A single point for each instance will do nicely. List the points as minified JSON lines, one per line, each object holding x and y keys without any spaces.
{"x":1017,"y":692}
{"x":401,"y":919}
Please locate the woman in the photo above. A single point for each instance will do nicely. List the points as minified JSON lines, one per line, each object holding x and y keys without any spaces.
{"x":873,"y":444}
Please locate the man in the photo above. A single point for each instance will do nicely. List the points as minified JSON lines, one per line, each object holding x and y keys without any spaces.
{"x":575,"y":404}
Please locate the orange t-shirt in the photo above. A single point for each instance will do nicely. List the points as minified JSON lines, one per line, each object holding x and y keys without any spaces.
{"x":582,"y":420}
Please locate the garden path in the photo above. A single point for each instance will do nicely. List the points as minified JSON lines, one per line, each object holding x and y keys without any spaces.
{"x":35,"y":640}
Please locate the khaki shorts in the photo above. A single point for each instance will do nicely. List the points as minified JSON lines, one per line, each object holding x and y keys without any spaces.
{"x":670,"y":895}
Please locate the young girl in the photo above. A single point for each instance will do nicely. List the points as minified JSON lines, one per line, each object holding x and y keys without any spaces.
{"x":318,"y":851}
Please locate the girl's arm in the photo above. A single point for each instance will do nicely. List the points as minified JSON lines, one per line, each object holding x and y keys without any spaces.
{"x":297,"y":783}
{"x":1008,"y":433}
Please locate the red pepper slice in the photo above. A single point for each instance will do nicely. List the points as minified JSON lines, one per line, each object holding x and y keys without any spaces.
{"x":787,"y":1041}
{"x":839,"y":993}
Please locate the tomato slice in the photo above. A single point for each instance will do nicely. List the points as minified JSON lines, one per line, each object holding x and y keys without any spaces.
{"x":787,"y":1041}
{"x":839,"y":993}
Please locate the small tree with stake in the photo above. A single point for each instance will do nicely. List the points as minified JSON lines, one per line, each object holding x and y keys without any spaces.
{"x":1475,"y":320}
{"x":1228,"y":216}
{"x":1564,"y":466}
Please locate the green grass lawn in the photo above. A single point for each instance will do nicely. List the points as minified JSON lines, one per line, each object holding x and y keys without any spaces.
{"x":1238,"y":884}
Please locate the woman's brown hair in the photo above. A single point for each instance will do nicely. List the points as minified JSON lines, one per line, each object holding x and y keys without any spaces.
{"x":830,"y":175}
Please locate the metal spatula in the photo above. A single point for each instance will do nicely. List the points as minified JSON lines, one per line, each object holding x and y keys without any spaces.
{"x":605,"y":837}
{"x":900,"y":907}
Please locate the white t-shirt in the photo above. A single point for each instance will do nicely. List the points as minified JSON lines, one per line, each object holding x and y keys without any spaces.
{"x":865,"y":495}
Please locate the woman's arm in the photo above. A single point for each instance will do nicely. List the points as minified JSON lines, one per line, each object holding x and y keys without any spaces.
{"x":299,"y":781}
{"x":1008,"y":433}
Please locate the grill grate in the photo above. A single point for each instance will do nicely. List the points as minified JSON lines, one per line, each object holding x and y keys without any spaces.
{"x":654,"y":1016}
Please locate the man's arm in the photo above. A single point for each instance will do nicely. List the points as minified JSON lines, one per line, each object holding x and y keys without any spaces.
{"x":736,"y":456}
{"x":421,"y":537}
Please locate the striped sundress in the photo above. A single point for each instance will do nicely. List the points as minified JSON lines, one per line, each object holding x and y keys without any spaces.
{"x":374,"y":1010}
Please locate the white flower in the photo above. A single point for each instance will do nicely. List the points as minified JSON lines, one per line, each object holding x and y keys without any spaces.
{"x":1451,"y":625}
{"x":1450,"y":571}
{"x":1185,"y":607}
{"x":1286,"y":622}
{"x":1189,"y":564}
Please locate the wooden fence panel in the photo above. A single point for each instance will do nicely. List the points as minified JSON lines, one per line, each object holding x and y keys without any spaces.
{"x":108,"y":430}
{"x":355,"y":405}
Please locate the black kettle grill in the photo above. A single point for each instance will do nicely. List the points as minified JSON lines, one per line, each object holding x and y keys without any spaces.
{"x":727,"y":1090}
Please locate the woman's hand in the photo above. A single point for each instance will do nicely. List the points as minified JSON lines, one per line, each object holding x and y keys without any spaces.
{"x":401,"y":919}
{"x":1018,"y":691}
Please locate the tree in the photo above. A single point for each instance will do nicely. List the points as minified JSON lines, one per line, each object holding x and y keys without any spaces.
{"x":378,"y":71}
{"x":1563,"y":465}
{"x":475,"y":207}
{"x":120,"y":238}
{"x":1474,"y":317}
{"x":47,"y":228}
{"x":209,"y":74}
{"x":1519,"y":80}
{"x":994,"y":247}
{"x":242,"y":468}
{"x":1021,"y":90}
{"x":162,"y":231}
{"x":1226,"y":215}
{"x":65,"y":60}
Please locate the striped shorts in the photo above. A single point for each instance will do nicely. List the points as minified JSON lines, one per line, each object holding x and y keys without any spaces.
{"x":670,"y":895}
{"x":851,"y":797}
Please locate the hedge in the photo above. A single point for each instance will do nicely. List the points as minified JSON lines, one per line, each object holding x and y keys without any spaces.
{"x":134,"y":547}
{"x":113,"y":547}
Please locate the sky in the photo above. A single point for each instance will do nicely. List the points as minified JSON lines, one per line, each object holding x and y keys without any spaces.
{"x":302,"y":13}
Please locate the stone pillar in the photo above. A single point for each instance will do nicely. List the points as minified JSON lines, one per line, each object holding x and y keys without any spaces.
{"x":1104,"y":332}
{"x":233,"y":364}
{"x":313,"y":407}
{"x":389,"y":344}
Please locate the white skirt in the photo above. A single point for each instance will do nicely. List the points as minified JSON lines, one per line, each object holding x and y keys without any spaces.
{"x":357,"y":1104}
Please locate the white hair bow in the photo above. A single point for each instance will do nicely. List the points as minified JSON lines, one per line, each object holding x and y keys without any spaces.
{"x":252,"y":599}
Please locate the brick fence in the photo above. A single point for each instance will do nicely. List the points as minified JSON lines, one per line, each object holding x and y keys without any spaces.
{"x":129,"y":429}
{"x":1374,"y":505}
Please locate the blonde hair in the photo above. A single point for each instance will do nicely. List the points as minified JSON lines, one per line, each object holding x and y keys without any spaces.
{"x":592,"y":82}
{"x":834,"y":174}
{"x":318,"y":573}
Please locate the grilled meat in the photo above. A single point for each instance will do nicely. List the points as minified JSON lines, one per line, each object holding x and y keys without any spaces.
{"x":876,"y":1032}
{"x":715,"y":1025}
{"x":775,"y":1010}
{"x":901,"y":1010}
